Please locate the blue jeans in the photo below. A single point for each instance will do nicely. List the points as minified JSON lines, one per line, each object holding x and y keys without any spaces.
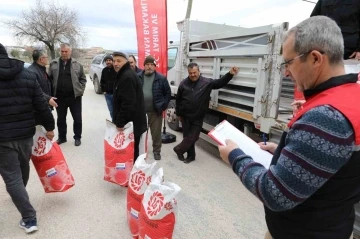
{"x":109,"y":102}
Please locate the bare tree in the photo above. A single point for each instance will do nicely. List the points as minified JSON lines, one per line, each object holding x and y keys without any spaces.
{"x":49,"y":23}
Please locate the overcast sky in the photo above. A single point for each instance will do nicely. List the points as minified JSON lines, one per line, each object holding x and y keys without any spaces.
{"x":110,"y":23}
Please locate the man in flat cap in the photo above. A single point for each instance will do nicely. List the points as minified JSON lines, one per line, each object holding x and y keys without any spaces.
{"x":128,"y":98}
{"x":108,"y":75}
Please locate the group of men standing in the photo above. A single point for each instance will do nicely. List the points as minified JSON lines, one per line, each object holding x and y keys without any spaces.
{"x":63,"y":89}
{"x":132,"y":94}
{"x":27,"y":98}
{"x":128,"y":90}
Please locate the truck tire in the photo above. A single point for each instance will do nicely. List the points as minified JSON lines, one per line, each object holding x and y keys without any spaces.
{"x":172,"y":119}
{"x":97,"y":86}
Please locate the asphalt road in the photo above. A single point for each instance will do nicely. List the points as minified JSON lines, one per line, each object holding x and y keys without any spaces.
{"x":212,"y":203}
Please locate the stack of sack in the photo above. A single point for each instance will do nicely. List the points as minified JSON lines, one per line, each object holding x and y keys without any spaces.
{"x":151,"y":202}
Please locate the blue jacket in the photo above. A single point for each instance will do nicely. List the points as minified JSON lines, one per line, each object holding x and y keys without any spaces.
{"x":161,"y":91}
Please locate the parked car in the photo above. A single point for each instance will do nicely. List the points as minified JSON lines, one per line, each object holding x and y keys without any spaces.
{"x":96,"y":67}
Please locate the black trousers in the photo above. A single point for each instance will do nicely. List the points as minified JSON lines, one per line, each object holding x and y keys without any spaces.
{"x":74,"y":104}
{"x":191,"y":132}
{"x":136,"y":148}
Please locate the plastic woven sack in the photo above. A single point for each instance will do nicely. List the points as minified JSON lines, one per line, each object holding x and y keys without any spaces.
{"x":50,"y":164}
{"x":119,"y":153}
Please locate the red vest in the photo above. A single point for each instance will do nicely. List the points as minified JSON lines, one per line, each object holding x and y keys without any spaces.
{"x":344,"y":98}
{"x":331,"y":208}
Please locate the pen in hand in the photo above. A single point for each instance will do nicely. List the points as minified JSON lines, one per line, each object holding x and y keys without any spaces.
{"x":264,"y":138}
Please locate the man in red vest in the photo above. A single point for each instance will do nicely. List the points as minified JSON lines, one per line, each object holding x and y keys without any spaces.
{"x":313,"y":182}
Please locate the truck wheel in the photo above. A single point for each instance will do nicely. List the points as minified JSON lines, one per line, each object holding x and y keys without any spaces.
{"x":172,"y":119}
{"x":97,"y":87}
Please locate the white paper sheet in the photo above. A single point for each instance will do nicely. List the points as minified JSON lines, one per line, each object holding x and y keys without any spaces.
{"x":225,"y":130}
{"x":352,"y":66}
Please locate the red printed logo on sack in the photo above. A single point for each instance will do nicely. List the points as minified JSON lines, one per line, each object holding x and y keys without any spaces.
{"x":168,"y":206}
{"x":137,"y":180}
{"x":40,"y":146}
{"x":155,"y":204}
{"x":148,"y":180}
{"x":119,"y":140}
{"x":131,"y":136}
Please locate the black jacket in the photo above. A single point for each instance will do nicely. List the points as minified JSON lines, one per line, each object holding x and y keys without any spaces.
{"x":192,"y":98}
{"x":129,"y":100}
{"x":20,"y":96}
{"x":346,"y":13}
{"x":108,"y":75}
{"x":138,"y":70}
{"x":43,"y":79}
{"x":161,"y":91}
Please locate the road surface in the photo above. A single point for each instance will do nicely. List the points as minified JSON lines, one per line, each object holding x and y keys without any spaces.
{"x":212,"y":204}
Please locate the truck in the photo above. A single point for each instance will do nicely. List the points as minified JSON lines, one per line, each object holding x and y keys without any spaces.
{"x":258,"y":99}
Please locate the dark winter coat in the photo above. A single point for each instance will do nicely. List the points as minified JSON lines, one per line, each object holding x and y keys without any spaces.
{"x":192,"y":98}
{"x":108,"y":75}
{"x":20,"y":96}
{"x":161,"y":91}
{"x":346,"y":13}
{"x":43,"y":79}
{"x":129,"y":100}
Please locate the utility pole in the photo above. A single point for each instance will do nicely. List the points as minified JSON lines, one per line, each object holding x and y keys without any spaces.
{"x":188,"y":11}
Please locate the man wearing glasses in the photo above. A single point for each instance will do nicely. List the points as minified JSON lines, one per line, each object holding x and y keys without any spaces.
{"x":41,"y":60}
{"x":313,"y":182}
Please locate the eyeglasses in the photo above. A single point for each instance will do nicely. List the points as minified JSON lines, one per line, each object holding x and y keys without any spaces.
{"x":285,"y":64}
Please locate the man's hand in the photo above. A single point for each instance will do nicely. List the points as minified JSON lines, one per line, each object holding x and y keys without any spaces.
{"x":271,"y":147}
{"x":234,"y":70}
{"x":52,"y":102}
{"x":50,"y":135}
{"x":120,"y":129}
{"x":297,"y":104}
{"x":355,"y":55}
{"x":225,"y":150}
{"x":180,"y":119}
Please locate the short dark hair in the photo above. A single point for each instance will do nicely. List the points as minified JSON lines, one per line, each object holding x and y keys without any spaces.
{"x":37,"y":54}
{"x":133,"y":57}
{"x":192,"y":65}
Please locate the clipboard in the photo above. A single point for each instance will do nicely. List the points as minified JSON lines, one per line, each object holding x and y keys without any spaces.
{"x":225,"y":130}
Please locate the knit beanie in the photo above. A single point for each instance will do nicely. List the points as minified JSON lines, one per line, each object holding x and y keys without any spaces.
{"x":108,"y":57}
{"x":3,"y":51}
{"x":149,"y":59}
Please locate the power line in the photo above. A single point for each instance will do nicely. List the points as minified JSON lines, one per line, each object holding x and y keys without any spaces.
{"x":309,"y":1}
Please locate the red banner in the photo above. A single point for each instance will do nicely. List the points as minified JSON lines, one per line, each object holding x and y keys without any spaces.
{"x":151,"y":28}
